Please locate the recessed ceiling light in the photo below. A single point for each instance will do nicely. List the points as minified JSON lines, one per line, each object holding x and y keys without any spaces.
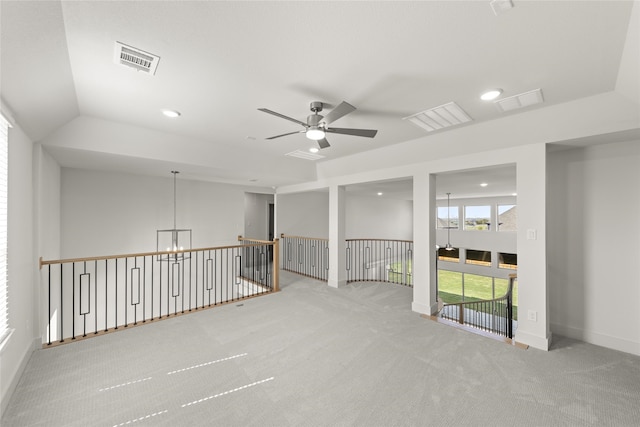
{"x":484,"y":184}
{"x":490,"y":95}
{"x":314,"y":150}
{"x":514,"y":194}
{"x":171,"y":113}
{"x":379,"y":193}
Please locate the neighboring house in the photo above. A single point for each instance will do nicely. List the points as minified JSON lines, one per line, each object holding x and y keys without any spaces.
{"x":507,"y":221}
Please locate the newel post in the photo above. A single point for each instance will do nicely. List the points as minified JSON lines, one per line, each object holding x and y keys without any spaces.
{"x":276,"y":265}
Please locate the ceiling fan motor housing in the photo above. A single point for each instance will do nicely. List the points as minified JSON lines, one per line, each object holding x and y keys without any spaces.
{"x":313,"y":120}
{"x":316,"y":106}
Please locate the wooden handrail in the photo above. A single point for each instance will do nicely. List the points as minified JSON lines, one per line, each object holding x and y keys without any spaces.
{"x":303,"y":237}
{"x":142,"y":254}
{"x":381,"y":240}
{"x":276,"y":265}
{"x":246,"y":239}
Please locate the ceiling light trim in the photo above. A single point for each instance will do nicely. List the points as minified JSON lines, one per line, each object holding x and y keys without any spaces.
{"x":490,"y":95}
{"x":171,"y":113}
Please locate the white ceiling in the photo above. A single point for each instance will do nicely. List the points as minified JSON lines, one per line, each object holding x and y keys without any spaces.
{"x":222,"y":60}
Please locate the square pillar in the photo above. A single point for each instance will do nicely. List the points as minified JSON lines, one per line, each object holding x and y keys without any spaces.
{"x":337,"y":243}
{"x":424,"y":244}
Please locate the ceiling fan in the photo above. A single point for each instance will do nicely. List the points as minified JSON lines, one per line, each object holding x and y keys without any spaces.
{"x":317,"y":126}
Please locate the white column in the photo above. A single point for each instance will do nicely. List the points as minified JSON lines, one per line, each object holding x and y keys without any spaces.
{"x":337,"y":243}
{"x":533,"y":322}
{"x":424,"y":244}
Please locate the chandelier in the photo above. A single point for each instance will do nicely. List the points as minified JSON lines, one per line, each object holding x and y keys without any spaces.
{"x":176,"y":242}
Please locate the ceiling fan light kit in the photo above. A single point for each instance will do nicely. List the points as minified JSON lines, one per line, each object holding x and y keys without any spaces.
{"x":315,"y":134}
{"x":317,"y":127}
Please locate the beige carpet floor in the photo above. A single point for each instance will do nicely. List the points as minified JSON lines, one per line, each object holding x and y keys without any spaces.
{"x":311,"y":355}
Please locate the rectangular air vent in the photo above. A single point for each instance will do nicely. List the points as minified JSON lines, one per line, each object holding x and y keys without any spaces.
{"x":440,"y":117}
{"x":520,"y":101}
{"x":501,"y":6}
{"x":135,"y":58}
{"x":301,"y":154}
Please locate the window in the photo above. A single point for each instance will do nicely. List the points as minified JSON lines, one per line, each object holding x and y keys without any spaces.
{"x":4,"y":166}
{"x":478,"y":288}
{"x":454,"y":287}
{"x":477,"y":218}
{"x":452,"y":256}
{"x":478,"y":257}
{"x":507,"y":218}
{"x":445,"y":214}
{"x":506,"y":260}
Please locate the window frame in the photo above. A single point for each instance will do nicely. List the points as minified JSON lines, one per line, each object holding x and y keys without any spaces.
{"x":488,"y":218}
{"x":5,"y":330}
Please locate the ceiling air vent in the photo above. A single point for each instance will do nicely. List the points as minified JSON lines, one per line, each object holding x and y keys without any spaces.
{"x":440,"y":117}
{"x":301,"y":154}
{"x":135,"y":58}
{"x":520,"y":101}
{"x":501,"y":6}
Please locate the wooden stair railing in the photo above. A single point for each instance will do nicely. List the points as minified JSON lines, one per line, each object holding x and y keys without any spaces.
{"x":95,"y":295}
{"x":494,"y":315}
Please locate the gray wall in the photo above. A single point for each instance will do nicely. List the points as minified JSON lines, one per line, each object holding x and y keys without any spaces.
{"x":594,"y":244}
{"x":23,"y":293}
{"x":256,"y":215}
{"x":107,"y":213}
{"x":307,"y":214}
{"x":369,"y":217}
{"x":303,"y":214}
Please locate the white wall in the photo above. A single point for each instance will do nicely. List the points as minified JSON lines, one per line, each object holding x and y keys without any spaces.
{"x":594,"y":244}
{"x":47,"y":180}
{"x":256,"y":215}
{"x":307,"y":214}
{"x":303,"y":214}
{"x":378,"y":218}
{"x":23,"y":297}
{"x":106,"y":213}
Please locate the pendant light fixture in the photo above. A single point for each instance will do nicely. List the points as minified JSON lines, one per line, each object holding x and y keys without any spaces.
{"x":174,"y":240}
{"x":448,"y":247}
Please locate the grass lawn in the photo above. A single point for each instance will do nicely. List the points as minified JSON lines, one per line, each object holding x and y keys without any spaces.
{"x":396,"y":275}
{"x":476,"y":287}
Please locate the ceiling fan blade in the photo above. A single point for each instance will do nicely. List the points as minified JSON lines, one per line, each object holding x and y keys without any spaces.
{"x":323,"y":143}
{"x":285,"y":134}
{"x":341,"y":110}
{"x":282,"y":116}
{"x":368,"y":133}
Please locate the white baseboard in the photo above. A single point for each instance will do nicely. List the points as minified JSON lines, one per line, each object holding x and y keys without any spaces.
{"x":423,"y":308}
{"x":535,"y":341}
{"x":36,"y":344}
{"x":337,"y":283}
{"x":615,"y":343}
